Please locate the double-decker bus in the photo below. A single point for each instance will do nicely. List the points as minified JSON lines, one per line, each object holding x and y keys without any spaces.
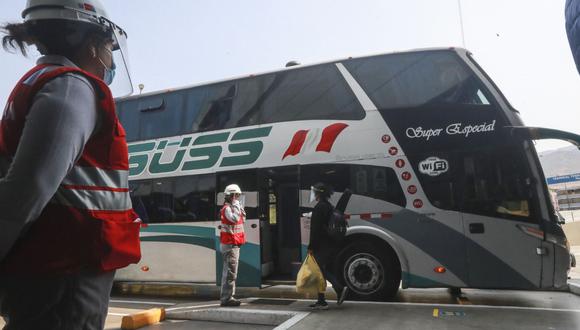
{"x":447,"y":189}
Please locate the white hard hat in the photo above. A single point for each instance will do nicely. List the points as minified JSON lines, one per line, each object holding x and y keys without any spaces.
{"x":86,"y":11}
{"x":90,"y":12}
{"x":232,"y":189}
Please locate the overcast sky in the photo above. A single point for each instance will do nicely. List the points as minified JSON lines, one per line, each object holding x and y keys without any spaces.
{"x":520,"y":43}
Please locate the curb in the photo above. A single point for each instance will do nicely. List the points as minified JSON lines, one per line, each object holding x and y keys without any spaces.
{"x":210,"y":291}
{"x":141,"y":319}
{"x":574,"y":288}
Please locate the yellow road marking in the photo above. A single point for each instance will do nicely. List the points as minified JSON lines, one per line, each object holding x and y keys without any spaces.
{"x":436,"y":312}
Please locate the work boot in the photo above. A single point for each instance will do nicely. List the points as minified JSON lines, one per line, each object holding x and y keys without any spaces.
{"x":231,"y":303}
{"x":342,"y":296}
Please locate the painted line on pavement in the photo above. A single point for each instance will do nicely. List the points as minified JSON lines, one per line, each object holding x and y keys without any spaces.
{"x":450,"y":305}
{"x":192,"y":306}
{"x":142,"y":302}
{"x":292,"y":321}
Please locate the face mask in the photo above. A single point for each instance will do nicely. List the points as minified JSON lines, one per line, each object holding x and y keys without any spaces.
{"x":109,"y":73}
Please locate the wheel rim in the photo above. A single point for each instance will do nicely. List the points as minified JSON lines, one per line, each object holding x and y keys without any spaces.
{"x":364,"y":273}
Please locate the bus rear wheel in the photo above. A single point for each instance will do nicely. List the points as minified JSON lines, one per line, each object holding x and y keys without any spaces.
{"x":371,"y":273}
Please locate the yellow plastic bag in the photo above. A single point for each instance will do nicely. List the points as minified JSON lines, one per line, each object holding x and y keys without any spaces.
{"x":310,"y":279}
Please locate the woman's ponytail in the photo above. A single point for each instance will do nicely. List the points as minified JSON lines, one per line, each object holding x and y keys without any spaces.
{"x":17,"y":37}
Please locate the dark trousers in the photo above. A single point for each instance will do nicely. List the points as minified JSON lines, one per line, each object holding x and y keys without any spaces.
{"x":326,"y":262}
{"x":68,"y":302}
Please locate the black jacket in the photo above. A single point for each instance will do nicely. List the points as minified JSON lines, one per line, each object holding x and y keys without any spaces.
{"x":319,"y":238}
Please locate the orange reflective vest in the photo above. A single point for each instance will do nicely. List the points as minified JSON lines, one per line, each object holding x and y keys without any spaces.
{"x":232,"y":233}
{"x":89,"y":223}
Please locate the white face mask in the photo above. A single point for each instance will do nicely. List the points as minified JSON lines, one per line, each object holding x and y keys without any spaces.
{"x":312,"y":195}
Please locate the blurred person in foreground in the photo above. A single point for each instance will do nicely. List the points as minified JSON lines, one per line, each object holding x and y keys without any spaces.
{"x":66,"y":220}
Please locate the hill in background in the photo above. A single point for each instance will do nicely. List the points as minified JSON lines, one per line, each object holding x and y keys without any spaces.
{"x":560,"y":161}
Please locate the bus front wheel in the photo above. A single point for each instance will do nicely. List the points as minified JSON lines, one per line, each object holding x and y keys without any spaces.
{"x":370,"y":272}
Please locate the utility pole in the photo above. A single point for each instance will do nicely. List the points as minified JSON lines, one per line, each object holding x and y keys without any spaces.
{"x":461,"y":23}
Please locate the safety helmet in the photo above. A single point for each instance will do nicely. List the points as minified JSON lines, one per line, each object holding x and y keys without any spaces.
{"x":232,"y":189}
{"x":93,"y":13}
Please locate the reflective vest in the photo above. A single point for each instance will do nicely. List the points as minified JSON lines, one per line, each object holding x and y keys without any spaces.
{"x":89,"y":222}
{"x":232,"y":233}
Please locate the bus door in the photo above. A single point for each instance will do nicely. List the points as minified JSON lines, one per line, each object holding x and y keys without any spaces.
{"x":249,"y":267}
{"x":280,"y":223}
{"x":500,"y":219}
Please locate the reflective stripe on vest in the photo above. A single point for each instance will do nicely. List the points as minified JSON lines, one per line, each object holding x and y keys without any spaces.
{"x":232,"y":229}
{"x":95,"y":200}
{"x":96,"y":177}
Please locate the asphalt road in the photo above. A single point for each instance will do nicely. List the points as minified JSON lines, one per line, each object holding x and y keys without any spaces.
{"x":414,"y":309}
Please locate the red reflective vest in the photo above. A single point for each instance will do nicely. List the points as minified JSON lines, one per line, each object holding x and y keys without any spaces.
{"x":89,"y":223}
{"x":232,"y":233}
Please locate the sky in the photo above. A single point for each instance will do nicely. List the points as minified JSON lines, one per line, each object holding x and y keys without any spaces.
{"x":521,"y":44}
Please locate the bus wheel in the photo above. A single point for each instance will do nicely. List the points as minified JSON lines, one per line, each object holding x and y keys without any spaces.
{"x":369,"y":272}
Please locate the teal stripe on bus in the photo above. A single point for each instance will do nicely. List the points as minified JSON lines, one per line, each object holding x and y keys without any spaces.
{"x":184,"y":230}
{"x":190,"y":240}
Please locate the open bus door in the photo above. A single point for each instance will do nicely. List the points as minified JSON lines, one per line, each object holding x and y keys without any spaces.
{"x":280,"y":223}
{"x":249,"y":265}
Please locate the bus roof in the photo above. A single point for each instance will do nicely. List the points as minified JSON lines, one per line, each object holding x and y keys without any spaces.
{"x":169,"y":90}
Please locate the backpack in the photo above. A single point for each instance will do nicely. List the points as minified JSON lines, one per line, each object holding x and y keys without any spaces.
{"x":337,"y":224}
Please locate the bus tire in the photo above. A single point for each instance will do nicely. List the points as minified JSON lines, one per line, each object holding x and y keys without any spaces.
{"x":371,"y":272}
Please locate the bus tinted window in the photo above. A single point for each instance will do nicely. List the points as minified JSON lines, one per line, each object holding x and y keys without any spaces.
{"x":378,"y":183}
{"x":415,"y":79}
{"x":160,"y":114}
{"x":184,"y":199}
{"x":318,"y":92}
{"x":496,"y":184}
{"x":129,"y":118}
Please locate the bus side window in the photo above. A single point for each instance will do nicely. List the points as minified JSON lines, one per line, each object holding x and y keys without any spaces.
{"x":496,"y":184}
{"x":160,"y":115}
{"x":129,"y":118}
{"x":375,"y":189}
{"x":412,"y":80}
{"x":194,"y":198}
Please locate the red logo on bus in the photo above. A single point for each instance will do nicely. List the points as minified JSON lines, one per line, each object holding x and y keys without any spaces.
{"x":418,"y":203}
{"x":412,"y":189}
{"x":400,"y":163}
{"x":393,"y":151}
{"x":386,"y":138}
{"x":406,"y":176}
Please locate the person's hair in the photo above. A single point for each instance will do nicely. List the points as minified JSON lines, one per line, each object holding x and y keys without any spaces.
{"x":51,"y":37}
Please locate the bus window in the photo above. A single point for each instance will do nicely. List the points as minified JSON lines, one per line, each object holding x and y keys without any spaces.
{"x":416,"y":79}
{"x":496,"y":183}
{"x":317,"y":92}
{"x":376,"y":189}
{"x":195,"y":198}
{"x":129,"y":118}
{"x":184,"y":199}
{"x":160,"y":115}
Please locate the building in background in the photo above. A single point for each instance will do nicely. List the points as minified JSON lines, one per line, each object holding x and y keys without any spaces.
{"x":567,"y":199}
